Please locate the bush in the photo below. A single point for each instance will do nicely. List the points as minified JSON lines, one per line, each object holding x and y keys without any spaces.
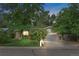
{"x":38,"y":34}
{"x":5,"y":38}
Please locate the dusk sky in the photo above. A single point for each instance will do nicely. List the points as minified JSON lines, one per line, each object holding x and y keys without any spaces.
{"x":54,"y":8}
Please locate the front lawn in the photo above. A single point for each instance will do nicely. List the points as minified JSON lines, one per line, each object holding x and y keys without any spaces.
{"x":23,"y":42}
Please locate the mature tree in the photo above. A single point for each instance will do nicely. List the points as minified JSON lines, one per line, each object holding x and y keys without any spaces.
{"x":68,"y":20}
{"x":44,"y":17}
{"x":21,"y":16}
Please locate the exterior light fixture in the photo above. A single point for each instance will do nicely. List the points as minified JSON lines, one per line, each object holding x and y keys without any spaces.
{"x":25,"y":33}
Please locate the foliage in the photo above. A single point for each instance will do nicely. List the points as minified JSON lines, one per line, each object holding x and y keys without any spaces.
{"x":67,"y":21}
{"x":22,"y":15}
{"x":45,"y":19}
{"x":38,"y":34}
{"x":5,"y":38}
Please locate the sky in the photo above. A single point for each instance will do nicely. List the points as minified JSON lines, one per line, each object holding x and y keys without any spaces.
{"x":54,"y":8}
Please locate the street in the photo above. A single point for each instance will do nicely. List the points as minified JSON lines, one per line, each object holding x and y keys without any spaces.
{"x":21,"y":51}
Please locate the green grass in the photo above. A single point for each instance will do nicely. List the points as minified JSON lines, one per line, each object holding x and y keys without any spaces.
{"x":23,"y":43}
{"x":27,"y":42}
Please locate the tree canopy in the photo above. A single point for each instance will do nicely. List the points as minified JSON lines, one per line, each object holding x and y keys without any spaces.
{"x":25,"y":15}
{"x":21,"y":15}
{"x":67,"y":20}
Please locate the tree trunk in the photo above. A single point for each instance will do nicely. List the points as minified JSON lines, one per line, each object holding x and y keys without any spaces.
{"x":17,"y":35}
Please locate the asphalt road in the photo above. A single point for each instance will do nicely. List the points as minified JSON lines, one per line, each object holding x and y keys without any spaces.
{"x":20,"y":51}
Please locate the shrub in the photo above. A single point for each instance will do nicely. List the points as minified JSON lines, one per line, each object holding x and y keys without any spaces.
{"x":38,"y":34}
{"x":5,"y":38}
